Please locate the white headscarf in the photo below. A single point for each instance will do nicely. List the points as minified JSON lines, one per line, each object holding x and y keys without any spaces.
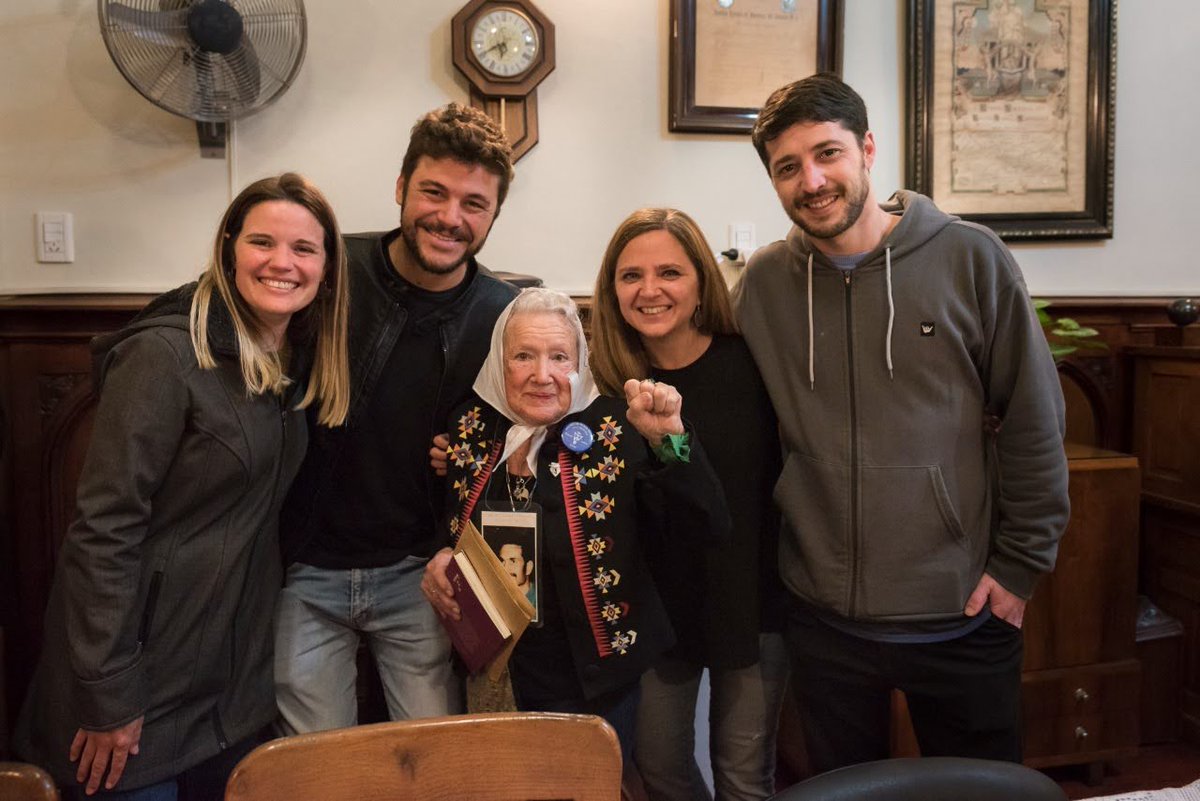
{"x":489,"y":384}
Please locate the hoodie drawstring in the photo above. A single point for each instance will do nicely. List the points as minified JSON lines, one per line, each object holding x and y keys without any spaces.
{"x":812,"y":375}
{"x":891,"y":309}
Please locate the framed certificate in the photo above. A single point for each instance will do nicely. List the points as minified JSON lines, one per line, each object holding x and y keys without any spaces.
{"x":727,"y":56}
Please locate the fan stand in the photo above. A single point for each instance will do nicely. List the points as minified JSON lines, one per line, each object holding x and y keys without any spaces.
{"x":213,"y":137}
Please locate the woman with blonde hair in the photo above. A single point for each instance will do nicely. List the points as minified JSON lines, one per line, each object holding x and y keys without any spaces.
{"x":661,"y":308}
{"x":156,"y":675}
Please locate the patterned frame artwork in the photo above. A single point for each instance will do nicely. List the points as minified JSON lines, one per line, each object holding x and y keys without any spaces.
{"x":1011,"y":108}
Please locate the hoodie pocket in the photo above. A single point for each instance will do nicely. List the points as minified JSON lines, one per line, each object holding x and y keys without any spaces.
{"x":814,"y":552}
{"x":915,"y":557}
{"x":151,"y":604}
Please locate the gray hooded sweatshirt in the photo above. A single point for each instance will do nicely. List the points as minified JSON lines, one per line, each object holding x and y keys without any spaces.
{"x":896,"y":492}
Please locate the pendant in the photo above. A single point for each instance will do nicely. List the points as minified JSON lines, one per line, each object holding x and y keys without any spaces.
{"x":521,"y":492}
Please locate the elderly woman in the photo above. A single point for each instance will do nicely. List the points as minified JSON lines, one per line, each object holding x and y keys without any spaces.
{"x":156,"y":674}
{"x":601,"y":475}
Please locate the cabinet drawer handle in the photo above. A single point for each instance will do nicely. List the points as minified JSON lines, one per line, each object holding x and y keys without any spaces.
{"x":1081,"y":695}
{"x":1081,"y":733}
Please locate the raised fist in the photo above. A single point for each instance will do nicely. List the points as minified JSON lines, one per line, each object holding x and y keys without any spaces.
{"x":654,"y":409}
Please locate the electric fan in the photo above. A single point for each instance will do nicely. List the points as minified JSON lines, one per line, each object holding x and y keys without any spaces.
{"x":211,"y":61}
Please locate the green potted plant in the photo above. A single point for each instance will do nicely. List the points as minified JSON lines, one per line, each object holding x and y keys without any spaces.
{"x":1065,"y":335}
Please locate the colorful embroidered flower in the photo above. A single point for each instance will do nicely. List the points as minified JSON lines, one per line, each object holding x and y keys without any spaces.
{"x":606,"y":579}
{"x":461,"y":455}
{"x":609,"y":433}
{"x":580,"y":477}
{"x":623,"y":641}
{"x":597,"y":507}
{"x":608,"y":469}
{"x":463,"y":487}
{"x":597,"y":546}
{"x":469,"y":423}
{"x":612,"y":612}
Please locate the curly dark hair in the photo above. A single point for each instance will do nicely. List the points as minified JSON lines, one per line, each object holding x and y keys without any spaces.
{"x":465,"y":134}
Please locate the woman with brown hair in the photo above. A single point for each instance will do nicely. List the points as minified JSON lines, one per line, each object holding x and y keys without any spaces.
{"x":662,"y":309}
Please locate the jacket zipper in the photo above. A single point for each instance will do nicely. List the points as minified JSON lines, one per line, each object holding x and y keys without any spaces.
{"x":436,"y":425}
{"x":284,"y":409}
{"x":855,"y":538}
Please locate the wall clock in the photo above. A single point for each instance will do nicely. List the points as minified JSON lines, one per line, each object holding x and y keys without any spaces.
{"x":504,"y":48}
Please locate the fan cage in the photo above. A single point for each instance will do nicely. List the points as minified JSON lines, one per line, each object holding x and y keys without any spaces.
{"x":166,"y":67}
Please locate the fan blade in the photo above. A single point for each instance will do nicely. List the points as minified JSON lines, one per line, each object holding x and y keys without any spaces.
{"x":205,"y":103}
{"x":158,"y":27}
{"x":243,"y":63}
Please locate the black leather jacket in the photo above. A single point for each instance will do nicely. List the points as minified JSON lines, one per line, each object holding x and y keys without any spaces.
{"x":376,"y":321}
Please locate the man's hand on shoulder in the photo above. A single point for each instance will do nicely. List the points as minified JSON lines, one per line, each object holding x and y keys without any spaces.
{"x":1004,"y":605}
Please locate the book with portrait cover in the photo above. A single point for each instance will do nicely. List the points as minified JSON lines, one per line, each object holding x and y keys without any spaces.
{"x":481,"y":632}
{"x":490,"y":628}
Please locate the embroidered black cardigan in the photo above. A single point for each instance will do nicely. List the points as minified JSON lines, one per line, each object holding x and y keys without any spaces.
{"x":599,"y":507}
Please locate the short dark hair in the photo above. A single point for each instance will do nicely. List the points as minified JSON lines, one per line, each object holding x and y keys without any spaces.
{"x":823,"y":97}
{"x":465,"y":134}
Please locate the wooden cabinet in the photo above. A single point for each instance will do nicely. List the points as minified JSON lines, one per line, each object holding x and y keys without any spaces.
{"x":1083,"y":714}
{"x":46,"y":410}
{"x":1081,"y":679}
{"x":1166,"y":439}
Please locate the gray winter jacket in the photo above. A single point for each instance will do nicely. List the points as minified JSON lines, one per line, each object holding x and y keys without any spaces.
{"x":896,"y":494}
{"x":163,"y":598}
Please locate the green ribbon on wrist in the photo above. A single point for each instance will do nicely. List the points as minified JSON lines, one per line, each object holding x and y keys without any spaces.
{"x":674,"y":448}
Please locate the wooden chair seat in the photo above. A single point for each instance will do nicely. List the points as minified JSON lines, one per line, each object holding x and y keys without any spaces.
{"x":502,"y":756}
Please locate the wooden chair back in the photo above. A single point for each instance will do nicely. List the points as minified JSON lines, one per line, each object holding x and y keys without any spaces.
{"x":502,"y":756}
{"x":22,"y":782}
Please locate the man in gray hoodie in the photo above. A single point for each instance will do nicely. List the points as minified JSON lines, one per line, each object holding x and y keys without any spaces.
{"x":925,"y":483}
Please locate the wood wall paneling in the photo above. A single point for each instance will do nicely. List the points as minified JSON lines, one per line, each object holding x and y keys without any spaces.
{"x":46,"y":410}
{"x":1167,"y":439}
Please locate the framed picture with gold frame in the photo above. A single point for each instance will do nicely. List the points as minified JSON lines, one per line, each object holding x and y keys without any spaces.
{"x":1011,"y":108}
{"x":727,"y":56}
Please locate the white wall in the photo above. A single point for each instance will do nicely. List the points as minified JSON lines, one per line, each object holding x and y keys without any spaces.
{"x":75,"y":137}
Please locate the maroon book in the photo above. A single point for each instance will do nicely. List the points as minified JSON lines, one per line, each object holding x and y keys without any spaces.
{"x":480,"y":634}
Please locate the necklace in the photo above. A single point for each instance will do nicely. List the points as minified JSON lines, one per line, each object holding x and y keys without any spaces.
{"x":520,"y":488}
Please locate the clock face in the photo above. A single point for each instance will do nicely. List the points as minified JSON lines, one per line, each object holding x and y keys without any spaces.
{"x":504,"y":42}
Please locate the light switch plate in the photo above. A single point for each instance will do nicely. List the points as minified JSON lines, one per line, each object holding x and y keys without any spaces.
{"x":54,"y":232}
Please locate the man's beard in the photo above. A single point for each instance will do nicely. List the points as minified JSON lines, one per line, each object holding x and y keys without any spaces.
{"x":409,"y":234}
{"x":854,"y":208}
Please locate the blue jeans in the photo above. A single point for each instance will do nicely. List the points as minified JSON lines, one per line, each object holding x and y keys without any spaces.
{"x":321,"y":617}
{"x":163,"y":791}
{"x":743,"y":716}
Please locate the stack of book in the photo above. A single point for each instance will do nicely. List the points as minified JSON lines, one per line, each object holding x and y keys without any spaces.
{"x":494,"y":613}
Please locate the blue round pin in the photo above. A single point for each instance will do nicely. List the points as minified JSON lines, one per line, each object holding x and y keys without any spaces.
{"x":577,"y":437}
